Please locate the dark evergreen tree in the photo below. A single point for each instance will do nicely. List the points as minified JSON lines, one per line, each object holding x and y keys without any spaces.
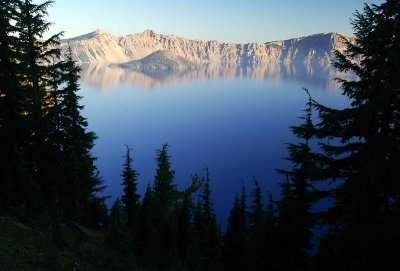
{"x":118,"y":240}
{"x":235,"y":246}
{"x":76,"y":144}
{"x":208,"y":237}
{"x":295,"y":219}
{"x":165,"y":197}
{"x":45,"y":146}
{"x":9,"y":102}
{"x":147,"y":234}
{"x":243,"y":210}
{"x":271,"y":241}
{"x":257,"y":230}
{"x":187,"y":223}
{"x":197,"y":247}
{"x":130,"y":199}
{"x":34,"y":54}
{"x":184,"y":227}
{"x":164,"y":188}
{"x":362,"y":142}
{"x":11,"y":122}
{"x":118,"y":236}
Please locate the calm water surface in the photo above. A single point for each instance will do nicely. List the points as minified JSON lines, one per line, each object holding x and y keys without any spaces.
{"x":234,"y":120}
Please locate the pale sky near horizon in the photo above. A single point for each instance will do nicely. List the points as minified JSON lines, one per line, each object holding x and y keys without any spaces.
{"x":223,"y":20}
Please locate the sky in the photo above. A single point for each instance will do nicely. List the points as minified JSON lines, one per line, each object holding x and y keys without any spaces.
{"x":222,"y":20}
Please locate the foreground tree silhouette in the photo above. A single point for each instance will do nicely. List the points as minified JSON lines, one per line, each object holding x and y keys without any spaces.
{"x":294,"y":232}
{"x":164,"y":203}
{"x":130,"y":199}
{"x":118,"y":240}
{"x":206,"y":247}
{"x":46,"y":166}
{"x":257,"y":230}
{"x":15,"y":179}
{"x":147,"y":234}
{"x":362,"y":142}
{"x":80,"y":182}
{"x":235,"y":242}
{"x":34,"y":55}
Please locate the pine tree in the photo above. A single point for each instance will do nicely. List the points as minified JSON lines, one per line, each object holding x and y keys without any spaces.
{"x":185,"y":231}
{"x":46,"y":146}
{"x":118,"y":233}
{"x":190,"y":225}
{"x":362,"y":142}
{"x":164,"y":189}
{"x":256,"y":229}
{"x":243,"y":209}
{"x":130,"y":199}
{"x":75,"y":144}
{"x":235,"y":249}
{"x":33,"y":55}
{"x":295,"y":218}
{"x":147,"y":235}
{"x":197,"y":254}
{"x":271,"y":242}
{"x":10,"y":107}
{"x":206,"y":227}
{"x":10,"y":121}
{"x":165,"y":197}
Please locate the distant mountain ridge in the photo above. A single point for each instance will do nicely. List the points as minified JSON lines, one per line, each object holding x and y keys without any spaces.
{"x":102,"y":47}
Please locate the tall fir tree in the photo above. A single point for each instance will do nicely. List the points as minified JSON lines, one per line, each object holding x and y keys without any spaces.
{"x":118,"y":240}
{"x":362,"y":142}
{"x":184,"y":228}
{"x":164,"y":188}
{"x":11,"y":122}
{"x":34,"y":54}
{"x":130,"y":199}
{"x":118,"y":235}
{"x":270,"y":241}
{"x":256,"y":230}
{"x":147,"y":235}
{"x":207,"y":230}
{"x":295,"y":218}
{"x":235,"y":246}
{"x":82,"y":179}
{"x":41,"y":127}
{"x":165,"y":197}
{"x":186,"y":238}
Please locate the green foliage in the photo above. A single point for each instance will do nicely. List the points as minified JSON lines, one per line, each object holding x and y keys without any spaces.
{"x":119,"y":237}
{"x":56,"y":247}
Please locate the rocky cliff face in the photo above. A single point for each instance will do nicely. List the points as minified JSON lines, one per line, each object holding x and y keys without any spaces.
{"x":102,"y":47}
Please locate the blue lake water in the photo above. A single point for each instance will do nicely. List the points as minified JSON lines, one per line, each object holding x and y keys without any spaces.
{"x":234,"y":120}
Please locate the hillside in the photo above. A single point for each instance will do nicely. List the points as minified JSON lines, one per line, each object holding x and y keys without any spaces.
{"x":102,"y":47}
{"x":53,"y":247}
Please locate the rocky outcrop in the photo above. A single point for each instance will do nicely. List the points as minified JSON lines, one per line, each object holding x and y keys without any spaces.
{"x":102,"y":47}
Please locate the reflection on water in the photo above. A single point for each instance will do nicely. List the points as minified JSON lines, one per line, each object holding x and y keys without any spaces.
{"x":233,"y":119}
{"x":307,"y":74}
